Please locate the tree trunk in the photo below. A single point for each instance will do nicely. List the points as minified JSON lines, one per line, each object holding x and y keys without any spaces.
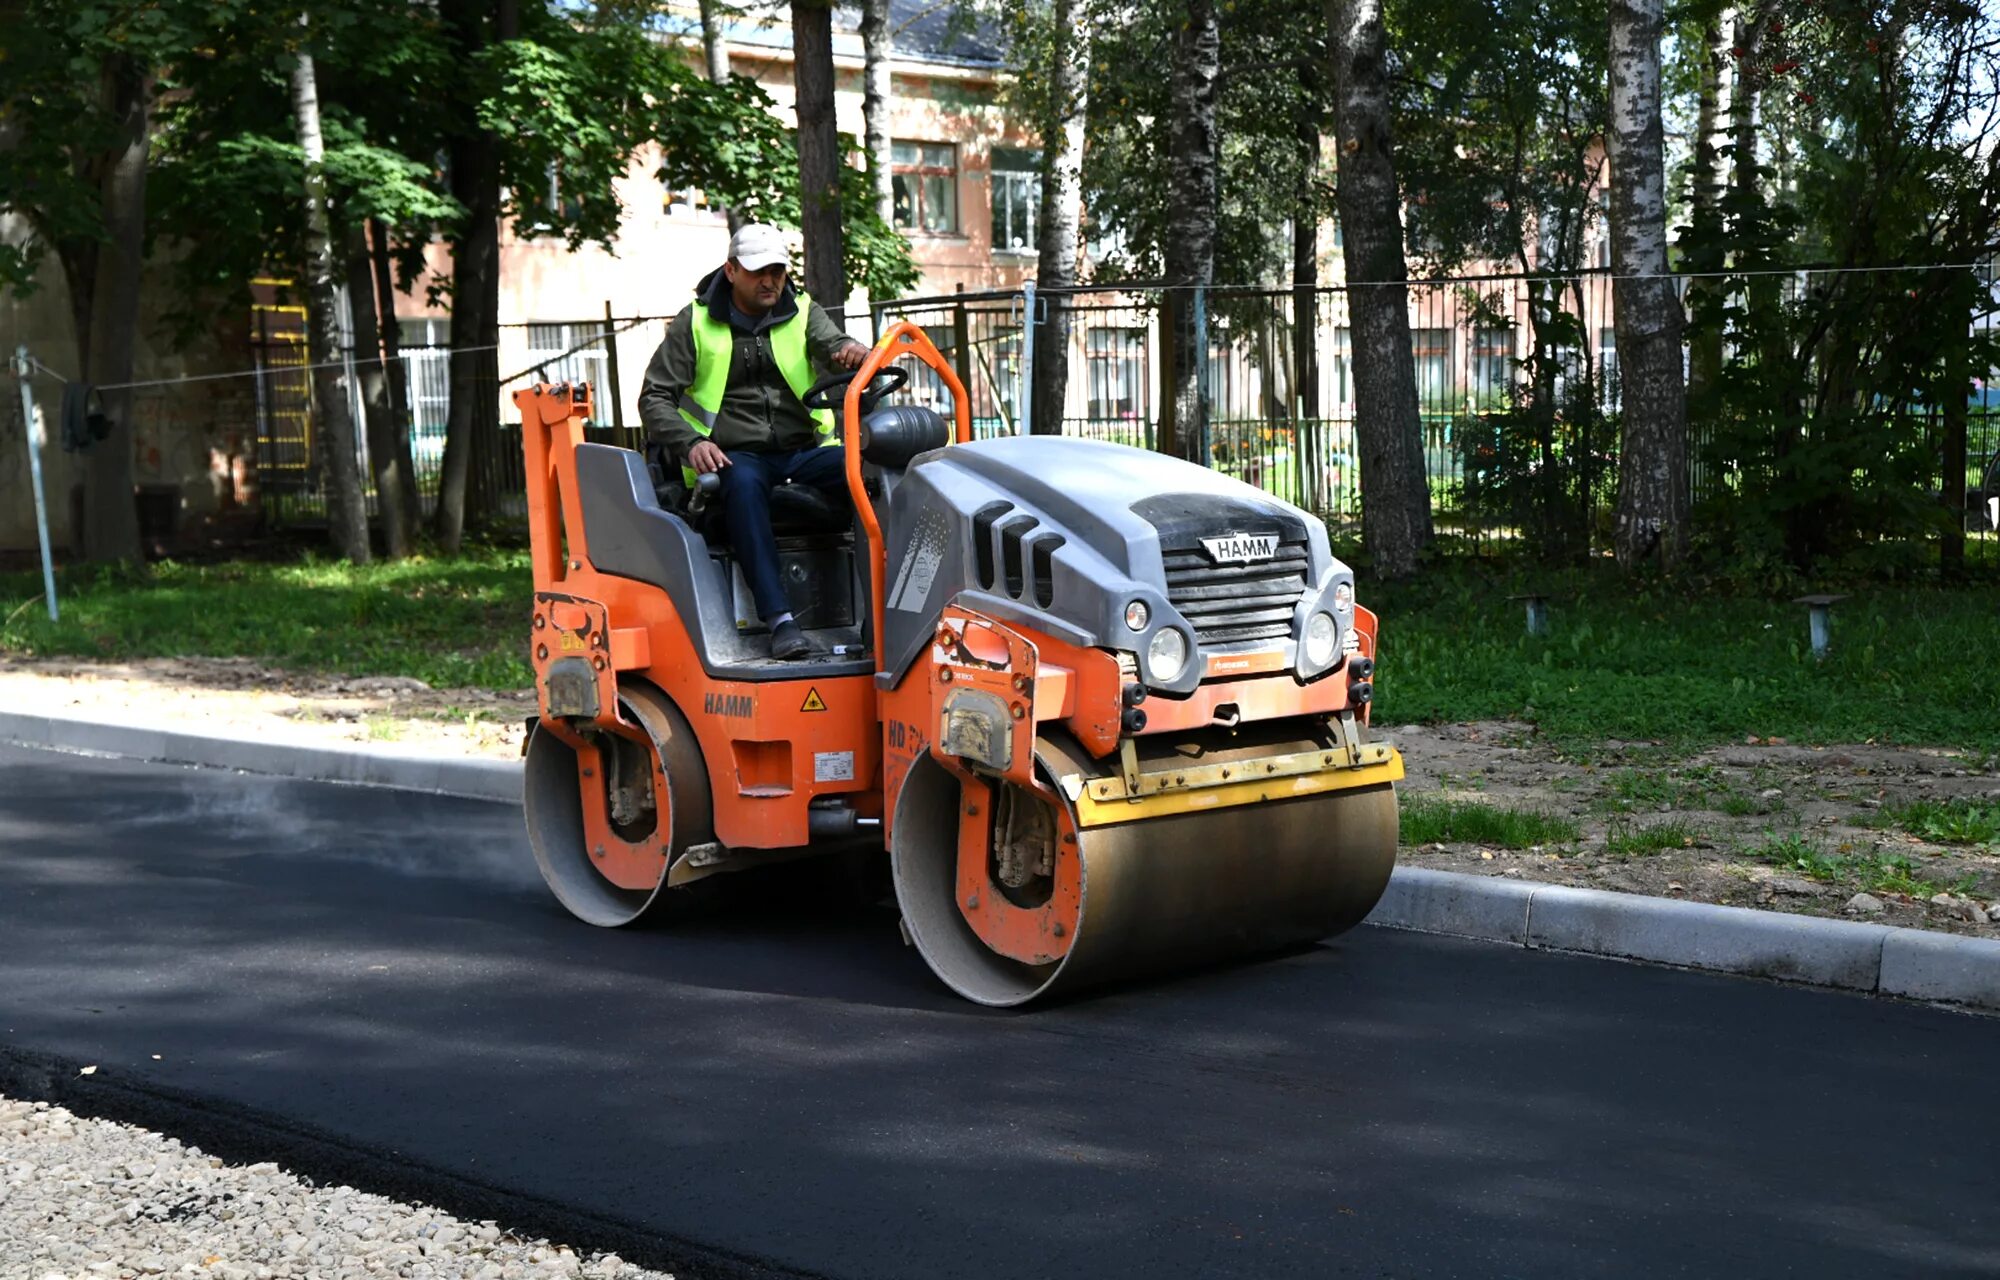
{"x":819,"y":153}
{"x":1705,"y":218}
{"x":876,"y":47}
{"x":472,"y":424}
{"x":715,"y":57}
{"x":1190,"y":240}
{"x":1058,"y":240}
{"x":108,"y":332}
{"x":1652,"y":457}
{"x":371,"y":371}
{"x":1395,"y":493}
{"x":1305,"y":293}
{"x":340,"y":470}
{"x":398,"y":378}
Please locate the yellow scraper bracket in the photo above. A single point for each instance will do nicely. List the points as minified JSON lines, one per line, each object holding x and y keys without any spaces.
{"x":1102,"y":801}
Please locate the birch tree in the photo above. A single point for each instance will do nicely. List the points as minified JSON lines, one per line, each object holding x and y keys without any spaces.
{"x":876,"y":47}
{"x":1059,"y":237}
{"x":1652,"y":463}
{"x":1395,"y":495}
{"x":1190,"y":231}
{"x":346,"y":504}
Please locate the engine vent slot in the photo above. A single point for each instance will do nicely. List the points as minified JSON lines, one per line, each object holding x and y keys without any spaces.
{"x":1011,"y":532}
{"x":1042,"y":561}
{"x":1238,"y":603}
{"x":982,"y":539}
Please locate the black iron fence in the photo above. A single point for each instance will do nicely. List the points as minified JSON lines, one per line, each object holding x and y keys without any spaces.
{"x":1517,"y":384}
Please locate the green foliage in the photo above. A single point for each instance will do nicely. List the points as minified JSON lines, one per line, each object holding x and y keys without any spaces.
{"x":1687,"y":664}
{"x":1625,"y":839}
{"x":1271,"y":58}
{"x":1959,"y":821}
{"x":56,"y":65}
{"x":1820,"y":435}
{"x":458,"y":621}
{"x":1426,"y":820}
{"x":1874,"y":872}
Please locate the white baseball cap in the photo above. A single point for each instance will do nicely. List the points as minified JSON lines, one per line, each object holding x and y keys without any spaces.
{"x":758,"y":245}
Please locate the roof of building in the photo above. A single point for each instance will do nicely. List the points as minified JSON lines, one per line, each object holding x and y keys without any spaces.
{"x":923,"y":31}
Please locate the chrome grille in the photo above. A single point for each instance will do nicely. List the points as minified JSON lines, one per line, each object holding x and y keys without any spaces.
{"x":1238,"y":603}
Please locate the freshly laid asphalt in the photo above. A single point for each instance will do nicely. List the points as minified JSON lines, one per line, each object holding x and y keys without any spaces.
{"x":374,"y":986}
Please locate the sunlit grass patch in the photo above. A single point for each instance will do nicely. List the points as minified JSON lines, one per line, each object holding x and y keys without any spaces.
{"x":1431,"y":821}
{"x":1945,"y":821}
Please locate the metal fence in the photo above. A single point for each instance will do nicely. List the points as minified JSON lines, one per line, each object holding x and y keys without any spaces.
{"x":1517,"y":385}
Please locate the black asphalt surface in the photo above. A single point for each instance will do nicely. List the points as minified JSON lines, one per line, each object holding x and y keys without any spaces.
{"x":378,"y":982}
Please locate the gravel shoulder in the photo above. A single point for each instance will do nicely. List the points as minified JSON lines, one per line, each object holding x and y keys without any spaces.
{"x":1760,"y":823}
{"x":84,"y":1199}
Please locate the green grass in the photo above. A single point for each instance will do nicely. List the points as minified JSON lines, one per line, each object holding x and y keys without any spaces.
{"x":1945,"y":821}
{"x":1631,"y":790}
{"x":1679,"y":667}
{"x":456,"y":622}
{"x":1625,"y":840}
{"x":1875,"y":872}
{"x":1429,"y":821}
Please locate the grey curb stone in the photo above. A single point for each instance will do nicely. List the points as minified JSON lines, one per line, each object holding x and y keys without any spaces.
{"x":1942,"y":966}
{"x":498,"y":780}
{"x":1447,"y":902}
{"x":1843,"y":954}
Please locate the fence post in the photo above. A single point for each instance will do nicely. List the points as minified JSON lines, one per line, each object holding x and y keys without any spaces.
{"x":1168,"y":438}
{"x":1201,"y":400}
{"x":1024,"y":386}
{"x":33,"y":439}
{"x":961,"y":349}
{"x":611,"y":371}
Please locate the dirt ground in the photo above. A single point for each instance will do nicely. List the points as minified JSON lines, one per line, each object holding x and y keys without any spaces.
{"x":1759,"y":823}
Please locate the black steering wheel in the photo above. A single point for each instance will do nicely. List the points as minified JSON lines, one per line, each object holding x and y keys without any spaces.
{"x":887,"y":380}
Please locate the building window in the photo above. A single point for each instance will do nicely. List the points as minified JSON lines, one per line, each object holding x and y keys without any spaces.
{"x":1604,"y":226}
{"x":1492,"y":364}
{"x":1432,"y":348}
{"x":1337,"y":377}
{"x":549,"y":211}
{"x":570,"y":353}
{"x":1115,"y":370}
{"x":926,"y":186}
{"x":1017,"y":199}
{"x":425,"y":345}
{"x":689,"y":203}
{"x":1607,"y":358}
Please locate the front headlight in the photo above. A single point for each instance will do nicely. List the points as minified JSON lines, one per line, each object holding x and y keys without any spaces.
{"x":1166,"y":655}
{"x":1322,"y":639}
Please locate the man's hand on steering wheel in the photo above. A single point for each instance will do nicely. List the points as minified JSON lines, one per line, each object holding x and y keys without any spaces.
{"x":851,"y":355}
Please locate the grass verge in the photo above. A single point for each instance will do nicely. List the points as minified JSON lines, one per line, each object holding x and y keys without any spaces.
{"x":450,"y":622}
{"x":1429,"y":821}
{"x":1684,"y":667}
{"x":1958,"y":821}
{"x":1875,"y":872}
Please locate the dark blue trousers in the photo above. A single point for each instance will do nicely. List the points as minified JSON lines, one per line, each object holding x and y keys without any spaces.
{"x":746,"y":511}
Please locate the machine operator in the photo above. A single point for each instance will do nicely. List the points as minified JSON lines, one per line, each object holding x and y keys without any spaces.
{"x":723,"y":394}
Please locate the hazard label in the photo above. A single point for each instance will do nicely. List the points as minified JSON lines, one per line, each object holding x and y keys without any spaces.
{"x":813,"y":701}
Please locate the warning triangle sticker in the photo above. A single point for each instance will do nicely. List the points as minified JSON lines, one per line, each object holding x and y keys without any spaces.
{"x":813,"y":701}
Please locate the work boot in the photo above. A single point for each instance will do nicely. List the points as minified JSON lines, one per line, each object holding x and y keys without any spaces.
{"x":788,"y":643}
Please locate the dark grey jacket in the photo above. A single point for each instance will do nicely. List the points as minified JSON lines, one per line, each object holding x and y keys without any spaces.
{"x":759,"y":410}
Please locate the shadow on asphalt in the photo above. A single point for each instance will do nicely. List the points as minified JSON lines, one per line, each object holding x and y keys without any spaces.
{"x":783,"y":1080}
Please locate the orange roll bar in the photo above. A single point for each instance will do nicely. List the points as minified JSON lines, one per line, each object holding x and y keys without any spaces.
{"x":902,"y":338}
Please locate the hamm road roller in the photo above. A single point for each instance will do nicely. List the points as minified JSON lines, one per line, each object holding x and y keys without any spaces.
{"x":1105,"y":711}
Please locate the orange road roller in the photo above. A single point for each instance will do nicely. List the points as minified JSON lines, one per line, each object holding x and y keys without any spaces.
{"x":1106,"y":711}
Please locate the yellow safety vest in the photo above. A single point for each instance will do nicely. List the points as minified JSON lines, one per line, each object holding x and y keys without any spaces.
{"x":715,"y":345}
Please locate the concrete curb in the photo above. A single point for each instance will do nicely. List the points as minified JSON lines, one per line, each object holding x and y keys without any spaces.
{"x":1844,"y":954}
{"x":498,"y":780}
